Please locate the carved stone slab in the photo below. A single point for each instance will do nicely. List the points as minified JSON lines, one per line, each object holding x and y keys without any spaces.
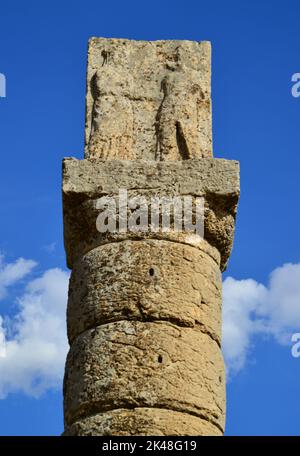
{"x":148,"y":100}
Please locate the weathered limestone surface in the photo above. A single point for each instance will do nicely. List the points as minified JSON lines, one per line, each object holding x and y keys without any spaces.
{"x":84,"y":181}
{"x":142,"y":421}
{"x":144,"y":307}
{"x":148,"y":289}
{"x":129,"y":364}
{"x":148,"y":100}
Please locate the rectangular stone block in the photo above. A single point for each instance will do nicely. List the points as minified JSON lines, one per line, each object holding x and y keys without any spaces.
{"x":95,"y":178}
{"x":148,"y":100}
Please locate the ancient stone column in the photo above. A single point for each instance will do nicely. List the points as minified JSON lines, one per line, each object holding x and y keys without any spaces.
{"x":144,"y":307}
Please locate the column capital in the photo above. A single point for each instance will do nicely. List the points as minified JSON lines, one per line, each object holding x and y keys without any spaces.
{"x":86,"y":181}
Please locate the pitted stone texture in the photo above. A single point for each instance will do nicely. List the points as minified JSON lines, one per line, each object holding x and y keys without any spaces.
{"x":142,"y":421}
{"x":94,"y":178}
{"x":148,"y":100}
{"x":130,"y":364}
{"x":147,"y":281}
{"x":85,"y":181}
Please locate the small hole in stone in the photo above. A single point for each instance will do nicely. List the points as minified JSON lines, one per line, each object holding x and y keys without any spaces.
{"x":159,"y":359}
{"x":151,"y":272}
{"x":220,"y":379}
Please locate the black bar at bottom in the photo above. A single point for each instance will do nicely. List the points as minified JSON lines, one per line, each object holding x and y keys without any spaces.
{"x":140,"y":445}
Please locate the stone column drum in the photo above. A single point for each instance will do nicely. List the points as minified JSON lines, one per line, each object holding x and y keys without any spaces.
{"x":144,"y":307}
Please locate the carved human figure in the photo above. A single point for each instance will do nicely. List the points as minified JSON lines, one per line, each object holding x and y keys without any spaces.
{"x":182,"y":122}
{"x":111,"y":135}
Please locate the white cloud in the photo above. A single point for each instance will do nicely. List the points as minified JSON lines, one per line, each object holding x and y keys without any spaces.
{"x":241,"y":299}
{"x":13,"y":272}
{"x":282,"y":308}
{"x":250,"y":308}
{"x":33,"y":343}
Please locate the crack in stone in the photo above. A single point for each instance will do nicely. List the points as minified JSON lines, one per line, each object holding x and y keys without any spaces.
{"x":171,"y":321}
{"x":203,"y":413}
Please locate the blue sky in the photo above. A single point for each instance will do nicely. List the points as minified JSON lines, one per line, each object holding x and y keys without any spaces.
{"x":256,"y":48}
